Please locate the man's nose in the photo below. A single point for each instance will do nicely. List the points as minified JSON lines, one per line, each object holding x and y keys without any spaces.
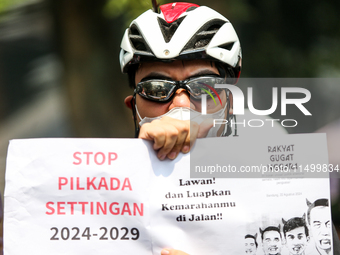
{"x":272,"y":243}
{"x":181,"y":99}
{"x":324,"y":230}
{"x":295,"y":241}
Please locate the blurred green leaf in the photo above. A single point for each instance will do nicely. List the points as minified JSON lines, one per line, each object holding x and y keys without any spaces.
{"x":129,"y":9}
{"x":6,"y":5}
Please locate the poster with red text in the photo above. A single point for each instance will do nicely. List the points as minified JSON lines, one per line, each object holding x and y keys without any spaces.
{"x":114,"y":196}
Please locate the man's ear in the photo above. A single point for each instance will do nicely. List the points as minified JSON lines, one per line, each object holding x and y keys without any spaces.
{"x":127,"y":101}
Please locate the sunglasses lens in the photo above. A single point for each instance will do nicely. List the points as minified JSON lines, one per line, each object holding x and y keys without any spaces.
{"x":204,"y":85}
{"x":156,"y":89}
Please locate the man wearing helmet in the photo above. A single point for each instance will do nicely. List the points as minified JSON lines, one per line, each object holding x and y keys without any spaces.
{"x":173,"y":58}
{"x":183,"y":51}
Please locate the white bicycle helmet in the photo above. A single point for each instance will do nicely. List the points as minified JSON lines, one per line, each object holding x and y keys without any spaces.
{"x":181,"y":31}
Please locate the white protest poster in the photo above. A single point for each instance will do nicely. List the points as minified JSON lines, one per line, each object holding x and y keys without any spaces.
{"x":113,"y":196}
{"x":213,"y":215}
{"x":67,"y":196}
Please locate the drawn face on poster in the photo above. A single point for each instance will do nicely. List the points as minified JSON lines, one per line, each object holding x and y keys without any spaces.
{"x":320,"y":227}
{"x":296,"y":240}
{"x":250,"y":245}
{"x":296,"y":235}
{"x":272,"y":242}
{"x":319,"y":220}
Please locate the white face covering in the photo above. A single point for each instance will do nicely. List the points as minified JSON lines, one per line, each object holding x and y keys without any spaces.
{"x":185,"y":113}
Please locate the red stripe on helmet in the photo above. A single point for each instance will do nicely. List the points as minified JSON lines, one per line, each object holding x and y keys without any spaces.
{"x":172,"y":11}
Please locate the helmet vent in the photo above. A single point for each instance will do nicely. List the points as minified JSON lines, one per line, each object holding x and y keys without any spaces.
{"x":227,"y":46}
{"x":191,"y":8}
{"x":169,"y":29}
{"x":201,"y":43}
{"x":214,"y":27}
{"x":138,"y":43}
{"x":137,"y":40}
{"x":204,"y":35}
{"x":134,"y":30}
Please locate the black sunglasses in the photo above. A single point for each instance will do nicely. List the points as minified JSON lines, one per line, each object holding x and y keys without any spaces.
{"x":163,"y":90}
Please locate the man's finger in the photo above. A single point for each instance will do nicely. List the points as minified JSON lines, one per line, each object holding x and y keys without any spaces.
{"x":171,"y":135}
{"x":154,"y":133}
{"x":183,"y":128}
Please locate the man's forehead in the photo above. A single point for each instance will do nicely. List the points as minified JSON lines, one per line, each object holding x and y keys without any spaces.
{"x":249,"y":240}
{"x":295,"y":231}
{"x":271,"y":233}
{"x":176,"y":69}
{"x":177,"y":63}
{"x":320,"y":212}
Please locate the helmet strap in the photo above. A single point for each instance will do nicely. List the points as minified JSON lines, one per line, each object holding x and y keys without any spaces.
{"x":226,"y":72}
{"x":133,"y":106}
{"x":220,"y":69}
{"x":228,"y":129}
{"x":131,"y":75}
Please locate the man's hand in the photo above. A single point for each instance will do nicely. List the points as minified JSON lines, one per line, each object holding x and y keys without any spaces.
{"x":171,"y":136}
{"x":172,"y":252}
